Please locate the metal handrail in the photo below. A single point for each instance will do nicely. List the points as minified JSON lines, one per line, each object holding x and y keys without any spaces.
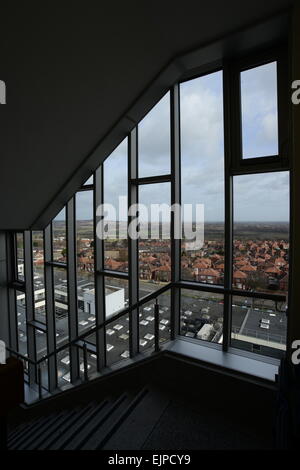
{"x":92,"y":330}
{"x":25,"y":358}
{"x":220,"y":289}
{"x":264,"y":335}
{"x":138,"y":304}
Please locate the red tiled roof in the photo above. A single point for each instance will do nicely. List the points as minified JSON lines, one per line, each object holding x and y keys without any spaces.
{"x":209,"y":272}
{"x":273,"y":270}
{"x":247,"y":268}
{"x":239,"y":275}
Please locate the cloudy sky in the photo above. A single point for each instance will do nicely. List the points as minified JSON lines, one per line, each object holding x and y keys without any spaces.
{"x":259,"y":111}
{"x":259,"y":198}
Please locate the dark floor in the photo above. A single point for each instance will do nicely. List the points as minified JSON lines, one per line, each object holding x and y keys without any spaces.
{"x":187,"y":427}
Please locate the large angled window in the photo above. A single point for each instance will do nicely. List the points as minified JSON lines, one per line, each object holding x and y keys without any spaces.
{"x":230,"y":266}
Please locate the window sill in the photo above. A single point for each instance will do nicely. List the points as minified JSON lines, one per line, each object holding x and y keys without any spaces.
{"x":239,"y":364}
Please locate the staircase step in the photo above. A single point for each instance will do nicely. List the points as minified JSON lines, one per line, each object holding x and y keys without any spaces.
{"x":122,"y":423}
{"x":27,"y":436}
{"x":77,"y":427}
{"x":18,"y":431}
{"x":134,"y":431}
{"x":74,"y":433}
{"x":27,"y":428}
{"x":64,"y":419}
{"x":104,"y":431}
{"x":66,"y":427}
{"x":94,"y":423}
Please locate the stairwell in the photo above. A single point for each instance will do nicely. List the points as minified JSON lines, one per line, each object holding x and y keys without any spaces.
{"x":165,"y":403}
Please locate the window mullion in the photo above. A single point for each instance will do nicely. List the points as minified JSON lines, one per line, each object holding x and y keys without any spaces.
{"x":99,"y":267}
{"x":176,"y":228}
{"x":133,"y":255}
{"x":72,"y":288}
{"x":230,"y":133}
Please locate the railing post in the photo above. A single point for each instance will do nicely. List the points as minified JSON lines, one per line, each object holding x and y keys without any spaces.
{"x":85,"y":363}
{"x":40,"y":382}
{"x":156,"y":326}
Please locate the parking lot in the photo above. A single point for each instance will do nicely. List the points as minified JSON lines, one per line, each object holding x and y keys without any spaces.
{"x":197,"y":309}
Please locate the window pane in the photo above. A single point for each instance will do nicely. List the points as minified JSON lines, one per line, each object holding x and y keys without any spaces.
{"x":61,"y":305}
{"x":117,"y":332}
{"x":44,"y":367}
{"x":116,"y":187}
{"x":117,"y":341}
{"x":91,"y":363}
{"x":86,"y":305}
{"x":258,"y":326}
{"x":116,"y":295}
{"x":261,"y":232}
{"x":85,"y":258}
{"x":202,"y":315}
{"x":41,"y":344}
{"x":38,"y":276}
{"x":116,"y":299}
{"x":154,"y":242}
{"x":259,"y":111}
{"x":59,"y":244}
{"x":154,"y":140}
{"x":202,"y":176}
{"x":92,"y":340}
{"x":21,"y":322}
{"x":91,"y":356}
{"x":90,"y":180}
{"x":147,"y":322}
{"x":63,"y":368}
{"x":20,"y":256}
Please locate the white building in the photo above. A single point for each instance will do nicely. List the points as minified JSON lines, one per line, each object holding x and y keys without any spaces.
{"x":114,"y":300}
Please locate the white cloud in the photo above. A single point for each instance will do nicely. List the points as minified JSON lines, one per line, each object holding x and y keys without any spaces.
{"x":269,"y":127}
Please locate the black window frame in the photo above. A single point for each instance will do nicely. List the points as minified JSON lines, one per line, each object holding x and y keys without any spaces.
{"x":238,"y":164}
